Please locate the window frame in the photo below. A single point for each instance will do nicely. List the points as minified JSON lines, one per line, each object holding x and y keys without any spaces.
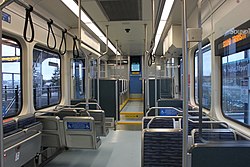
{"x":221,"y":93}
{"x":38,"y":46}
{"x":205,"y":47}
{"x":21,"y":72}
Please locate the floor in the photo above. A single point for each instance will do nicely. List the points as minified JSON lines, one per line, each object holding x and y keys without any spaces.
{"x":121,"y":148}
{"x":133,"y":106}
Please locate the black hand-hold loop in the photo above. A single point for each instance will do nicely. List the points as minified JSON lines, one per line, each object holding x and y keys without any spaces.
{"x":28,"y":20}
{"x":75,"y":49}
{"x":50,"y":29}
{"x":150,"y":59}
{"x":62,"y":52}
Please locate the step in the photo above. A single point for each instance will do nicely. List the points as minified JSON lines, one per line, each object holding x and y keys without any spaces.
{"x":129,"y":125}
{"x":132,"y":115}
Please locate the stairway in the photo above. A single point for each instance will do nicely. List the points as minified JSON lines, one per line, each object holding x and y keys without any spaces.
{"x":131,"y":115}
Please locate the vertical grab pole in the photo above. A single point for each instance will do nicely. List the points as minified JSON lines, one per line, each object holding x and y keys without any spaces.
{"x":2,"y":5}
{"x":86,"y":56}
{"x":185,"y":84}
{"x":146,"y":90}
{"x":98,"y":79}
{"x":99,"y":66}
{"x":1,"y":111}
{"x":116,"y":58}
{"x":156,"y":90}
{"x":200,"y":72}
{"x":116,"y":85}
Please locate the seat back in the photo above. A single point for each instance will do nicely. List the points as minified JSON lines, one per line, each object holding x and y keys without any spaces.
{"x":161,"y":147}
{"x":158,"y":123}
{"x":80,"y":132}
{"x":214,"y":135}
{"x":52,"y":135}
{"x":9,"y":127}
{"x":25,"y":121}
{"x":66,"y":112}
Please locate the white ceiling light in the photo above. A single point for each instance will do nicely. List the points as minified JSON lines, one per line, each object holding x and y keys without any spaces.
{"x":87,"y":21}
{"x":164,"y":16}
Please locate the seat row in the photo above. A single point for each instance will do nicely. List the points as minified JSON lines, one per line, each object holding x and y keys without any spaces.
{"x":22,"y":139}
{"x":162,"y":138}
{"x":73,"y":126}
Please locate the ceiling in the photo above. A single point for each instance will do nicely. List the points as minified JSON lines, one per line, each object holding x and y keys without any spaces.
{"x":119,"y":15}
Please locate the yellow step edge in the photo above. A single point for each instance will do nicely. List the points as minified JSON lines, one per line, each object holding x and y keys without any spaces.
{"x":129,"y":123}
{"x":124,"y":104}
{"x":132,"y":113}
{"x":136,"y":99}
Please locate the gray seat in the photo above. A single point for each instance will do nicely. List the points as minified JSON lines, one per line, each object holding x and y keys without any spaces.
{"x":24,"y":142}
{"x":80,"y":132}
{"x":99,"y":117}
{"x":52,"y":132}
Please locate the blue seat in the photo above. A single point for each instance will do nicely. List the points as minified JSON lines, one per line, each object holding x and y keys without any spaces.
{"x":168,"y":112}
{"x":162,"y":147}
{"x":9,"y":128}
{"x":26,"y":121}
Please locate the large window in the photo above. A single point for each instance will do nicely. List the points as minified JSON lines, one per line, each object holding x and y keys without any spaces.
{"x":235,"y":86}
{"x":46,"y":78}
{"x":11,"y":75}
{"x":206,"y":77}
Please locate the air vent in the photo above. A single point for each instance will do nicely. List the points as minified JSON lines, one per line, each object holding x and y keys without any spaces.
{"x":121,"y":10}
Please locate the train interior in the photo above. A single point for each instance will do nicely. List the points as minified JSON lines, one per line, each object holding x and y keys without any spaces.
{"x":117,"y":83}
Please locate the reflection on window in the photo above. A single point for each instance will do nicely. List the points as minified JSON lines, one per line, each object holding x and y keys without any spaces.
{"x":46,"y":78}
{"x":235,"y":85}
{"x":78,"y":78}
{"x":11,"y":73}
{"x":206,"y":77}
{"x":102,"y":69}
{"x":92,"y":81}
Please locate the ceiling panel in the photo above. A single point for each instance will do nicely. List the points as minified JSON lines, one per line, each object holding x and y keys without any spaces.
{"x":121,"y":10}
{"x":60,"y":13}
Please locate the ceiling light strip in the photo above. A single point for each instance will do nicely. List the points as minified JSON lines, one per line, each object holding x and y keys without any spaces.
{"x":87,"y":21}
{"x":164,"y":16}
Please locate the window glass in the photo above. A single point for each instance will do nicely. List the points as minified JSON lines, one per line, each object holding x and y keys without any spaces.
{"x":11,"y":73}
{"x":235,"y":85}
{"x":78,"y":78}
{"x":46,"y":78}
{"x":92,"y":81}
{"x":206,"y":77}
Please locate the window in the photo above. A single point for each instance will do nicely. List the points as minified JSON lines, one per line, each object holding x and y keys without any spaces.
{"x":206,"y":77}
{"x":102,"y":69}
{"x":235,"y":86}
{"x":78,"y":78}
{"x":11,"y":75}
{"x":46,"y":78}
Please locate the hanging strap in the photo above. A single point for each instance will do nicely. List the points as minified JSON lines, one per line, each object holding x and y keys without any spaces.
{"x":28,"y":20}
{"x":75,"y":49}
{"x":50,"y":29}
{"x":62,"y":52}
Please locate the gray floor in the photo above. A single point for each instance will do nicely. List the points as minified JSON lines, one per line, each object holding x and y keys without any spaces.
{"x":118,"y":149}
{"x":133,"y":106}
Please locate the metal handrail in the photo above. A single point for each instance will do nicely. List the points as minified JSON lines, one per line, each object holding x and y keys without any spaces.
{"x":210,"y":122}
{"x":23,"y":141}
{"x":75,"y":105}
{"x":162,"y":117}
{"x":152,"y":108}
